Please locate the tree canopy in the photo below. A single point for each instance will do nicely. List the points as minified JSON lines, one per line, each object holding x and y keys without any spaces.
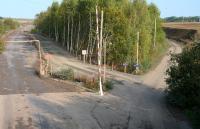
{"x":73,"y":23}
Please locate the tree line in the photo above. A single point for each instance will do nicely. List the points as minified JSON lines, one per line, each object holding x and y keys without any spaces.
{"x":72,"y":24}
{"x":182,"y":19}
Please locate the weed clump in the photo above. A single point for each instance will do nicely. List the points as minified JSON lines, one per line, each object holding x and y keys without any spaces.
{"x":64,"y":74}
{"x":1,"y":46}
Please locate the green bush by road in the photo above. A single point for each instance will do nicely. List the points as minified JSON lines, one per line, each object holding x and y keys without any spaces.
{"x":6,"y":25}
{"x":184,"y":82}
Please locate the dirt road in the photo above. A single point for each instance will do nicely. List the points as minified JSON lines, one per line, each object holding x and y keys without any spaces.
{"x":28,"y":102}
{"x":18,"y":77}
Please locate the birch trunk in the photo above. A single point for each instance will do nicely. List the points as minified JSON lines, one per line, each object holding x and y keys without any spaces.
{"x":99,"y":51}
{"x":64,"y":31}
{"x":68,"y":34}
{"x":78,"y":38}
{"x":71,"y":46}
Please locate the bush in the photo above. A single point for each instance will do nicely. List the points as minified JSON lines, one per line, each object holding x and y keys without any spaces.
{"x":33,"y":31}
{"x":65,"y":74}
{"x":108,"y":85}
{"x":184,"y":78}
{"x":184,"y":82}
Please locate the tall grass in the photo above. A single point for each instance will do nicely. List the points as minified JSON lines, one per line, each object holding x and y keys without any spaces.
{"x":1,"y":46}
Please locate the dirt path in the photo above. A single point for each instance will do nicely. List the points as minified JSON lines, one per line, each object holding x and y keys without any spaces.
{"x":18,"y":77}
{"x":156,"y":77}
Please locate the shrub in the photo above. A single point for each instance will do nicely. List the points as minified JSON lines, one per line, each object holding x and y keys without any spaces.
{"x":184,"y":82}
{"x":108,"y":85}
{"x":65,"y":74}
{"x":33,"y":31}
{"x":184,"y":78}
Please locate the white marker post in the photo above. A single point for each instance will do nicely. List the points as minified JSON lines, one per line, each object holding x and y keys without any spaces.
{"x":84,"y":53}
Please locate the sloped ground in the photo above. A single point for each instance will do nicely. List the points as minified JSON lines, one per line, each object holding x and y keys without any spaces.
{"x":183,"y":32}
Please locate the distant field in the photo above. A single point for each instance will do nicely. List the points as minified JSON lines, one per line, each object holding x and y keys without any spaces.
{"x":186,"y":25}
{"x":184,"y":32}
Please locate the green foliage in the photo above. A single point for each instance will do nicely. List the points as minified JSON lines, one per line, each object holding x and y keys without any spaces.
{"x":10,"y":23}
{"x":108,"y":85}
{"x":6,"y":25}
{"x":1,"y":46}
{"x":73,"y":23}
{"x":184,"y":82}
{"x":194,"y":117}
{"x":184,"y":78}
{"x":65,"y":74}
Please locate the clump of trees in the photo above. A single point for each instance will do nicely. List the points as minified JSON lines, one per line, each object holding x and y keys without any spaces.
{"x":184,"y":82}
{"x":73,"y":24}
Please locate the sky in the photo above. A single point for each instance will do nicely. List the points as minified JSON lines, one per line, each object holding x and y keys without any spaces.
{"x":29,"y":8}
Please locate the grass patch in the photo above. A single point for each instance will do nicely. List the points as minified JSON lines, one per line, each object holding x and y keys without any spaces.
{"x":33,"y":31}
{"x":1,"y":46}
{"x":156,"y":57}
{"x":88,"y":82}
{"x":93,"y":83}
{"x":64,"y":74}
{"x":108,"y":85}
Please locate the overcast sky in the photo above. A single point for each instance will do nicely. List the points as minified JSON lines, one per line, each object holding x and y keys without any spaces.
{"x":28,"y":8}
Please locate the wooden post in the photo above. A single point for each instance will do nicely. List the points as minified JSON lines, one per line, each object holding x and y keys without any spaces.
{"x":40,"y":59}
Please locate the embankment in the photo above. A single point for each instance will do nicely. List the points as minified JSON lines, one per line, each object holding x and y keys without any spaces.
{"x":182,"y":32}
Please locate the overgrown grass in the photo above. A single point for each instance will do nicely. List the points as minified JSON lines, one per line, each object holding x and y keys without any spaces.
{"x":159,"y":52}
{"x":64,"y":74}
{"x":88,"y":82}
{"x":1,"y":46}
{"x":93,"y":83}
